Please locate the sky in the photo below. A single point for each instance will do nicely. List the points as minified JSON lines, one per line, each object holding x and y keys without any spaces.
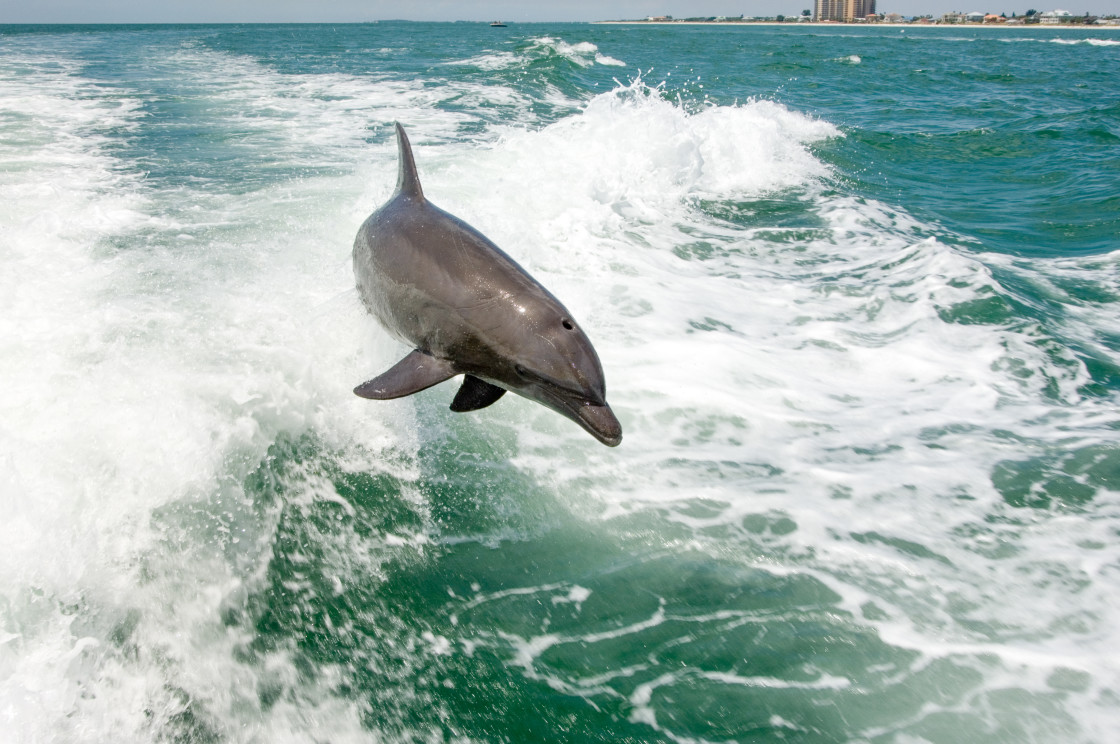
{"x":280,"y":11}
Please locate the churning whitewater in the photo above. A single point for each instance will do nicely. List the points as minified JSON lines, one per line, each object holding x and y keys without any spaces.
{"x":857,"y":292}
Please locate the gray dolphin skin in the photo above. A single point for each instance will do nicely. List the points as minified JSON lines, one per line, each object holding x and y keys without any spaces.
{"x":467,"y":308}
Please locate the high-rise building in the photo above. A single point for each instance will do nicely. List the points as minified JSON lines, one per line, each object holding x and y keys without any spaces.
{"x":860,"y":8}
{"x":829,"y":10}
{"x":843,"y":10}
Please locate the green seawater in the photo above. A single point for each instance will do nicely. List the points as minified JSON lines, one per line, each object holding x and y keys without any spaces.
{"x":857,"y":296}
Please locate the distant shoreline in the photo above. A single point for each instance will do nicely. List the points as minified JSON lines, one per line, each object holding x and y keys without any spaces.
{"x":877,"y":24}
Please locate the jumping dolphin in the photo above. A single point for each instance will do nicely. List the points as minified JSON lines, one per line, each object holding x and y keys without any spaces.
{"x":467,"y":308}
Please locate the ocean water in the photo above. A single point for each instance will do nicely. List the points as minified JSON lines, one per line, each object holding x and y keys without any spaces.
{"x":856,"y":293}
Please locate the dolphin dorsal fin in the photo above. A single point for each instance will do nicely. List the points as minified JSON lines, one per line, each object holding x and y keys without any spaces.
{"x":408,"y":181}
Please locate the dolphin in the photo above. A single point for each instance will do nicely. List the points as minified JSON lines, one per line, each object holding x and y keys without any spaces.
{"x":467,"y":308}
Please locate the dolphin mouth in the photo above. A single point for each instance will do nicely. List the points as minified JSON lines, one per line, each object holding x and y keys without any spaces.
{"x":600,"y":422}
{"x":593,"y":415}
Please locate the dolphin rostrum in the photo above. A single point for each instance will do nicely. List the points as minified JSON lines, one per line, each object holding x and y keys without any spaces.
{"x":468,"y":309}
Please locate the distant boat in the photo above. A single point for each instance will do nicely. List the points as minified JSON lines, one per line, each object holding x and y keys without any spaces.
{"x":497,"y":24}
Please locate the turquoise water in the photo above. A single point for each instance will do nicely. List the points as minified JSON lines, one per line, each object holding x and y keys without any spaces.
{"x":856,"y":293}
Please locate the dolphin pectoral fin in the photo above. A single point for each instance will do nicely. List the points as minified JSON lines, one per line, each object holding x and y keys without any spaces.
{"x":417,"y":371}
{"x":475,"y":394}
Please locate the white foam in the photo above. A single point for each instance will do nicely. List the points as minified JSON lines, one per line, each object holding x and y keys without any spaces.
{"x":603,"y":59}
{"x":1090,"y":42}
{"x":490,"y":61}
{"x":1068,"y":42}
{"x":583,"y":53}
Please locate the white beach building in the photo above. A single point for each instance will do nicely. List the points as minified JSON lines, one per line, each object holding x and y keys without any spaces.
{"x":1054,"y":17}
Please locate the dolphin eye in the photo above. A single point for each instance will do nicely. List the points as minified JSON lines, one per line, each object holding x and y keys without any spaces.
{"x":567,"y":324}
{"x":519,"y":370}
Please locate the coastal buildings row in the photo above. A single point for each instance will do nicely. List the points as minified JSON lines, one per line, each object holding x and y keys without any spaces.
{"x":863,"y":11}
{"x":1049,"y":18}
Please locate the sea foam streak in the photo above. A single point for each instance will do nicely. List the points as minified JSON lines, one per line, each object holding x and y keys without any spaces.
{"x":583,"y":54}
